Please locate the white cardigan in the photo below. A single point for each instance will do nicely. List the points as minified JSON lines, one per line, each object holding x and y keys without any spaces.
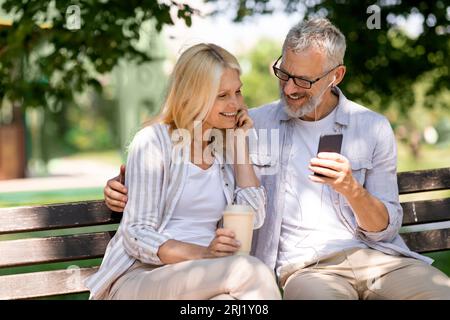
{"x":155,"y":177}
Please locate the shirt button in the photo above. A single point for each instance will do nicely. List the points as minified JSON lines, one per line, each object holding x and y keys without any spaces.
{"x":226,"y":184}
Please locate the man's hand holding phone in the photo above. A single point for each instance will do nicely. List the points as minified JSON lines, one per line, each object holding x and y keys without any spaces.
{"x":332,"y":168}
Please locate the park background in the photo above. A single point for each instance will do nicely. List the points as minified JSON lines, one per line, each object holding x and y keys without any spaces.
{"x":78,"y":78}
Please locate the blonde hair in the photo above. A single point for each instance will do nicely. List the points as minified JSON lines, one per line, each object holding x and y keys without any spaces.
{"x":194,"y":84}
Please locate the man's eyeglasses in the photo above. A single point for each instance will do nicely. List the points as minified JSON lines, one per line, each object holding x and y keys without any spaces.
{"x":299,"y":81}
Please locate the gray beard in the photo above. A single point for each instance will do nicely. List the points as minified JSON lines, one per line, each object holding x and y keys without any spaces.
{"x":303,"y":110}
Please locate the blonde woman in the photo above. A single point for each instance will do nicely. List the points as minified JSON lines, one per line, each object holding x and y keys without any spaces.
{"x":168,"y":245}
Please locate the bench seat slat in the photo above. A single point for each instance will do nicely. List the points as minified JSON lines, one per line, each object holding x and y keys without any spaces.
{"x":44,"y":284}
{"x":428,"y":211}
{"x":53,"y":249}
{"x":428,"y":241}
{"x":423,"y":180}
{"x":57,"y":216}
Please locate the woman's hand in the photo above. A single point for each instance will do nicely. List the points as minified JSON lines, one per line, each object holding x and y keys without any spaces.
{"x":243,"y":169}
{"x":243,"y":124}
{"x":174,"y":251}
{"x":243,"y":120}
{"x":224,"y":244}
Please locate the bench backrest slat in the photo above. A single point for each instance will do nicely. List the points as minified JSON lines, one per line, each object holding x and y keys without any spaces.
{"x":423,"y":180}
{"x":428,"y":241}
{"x":428,"y":211}
{"x":44,"y":284}
{"x":56,"y":216}
{"x":53,"y":249}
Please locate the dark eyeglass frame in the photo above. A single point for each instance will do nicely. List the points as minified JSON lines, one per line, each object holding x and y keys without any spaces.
{"x":294,"y":78}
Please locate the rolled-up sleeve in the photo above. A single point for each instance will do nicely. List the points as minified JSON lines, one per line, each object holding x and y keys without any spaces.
{"x":256,"y":198}
{"x":144,"y":180}
{"x":381,"y":182}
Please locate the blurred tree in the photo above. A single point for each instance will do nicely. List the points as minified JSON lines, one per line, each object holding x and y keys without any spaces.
{"x":382,"y":62}
{"x":51,"y":51}
{"x":259,"y":87}
{"x":55,"y":49}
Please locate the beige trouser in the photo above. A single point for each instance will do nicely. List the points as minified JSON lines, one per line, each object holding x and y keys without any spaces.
{"x":233,"y":277}
{"x":366,"y":274}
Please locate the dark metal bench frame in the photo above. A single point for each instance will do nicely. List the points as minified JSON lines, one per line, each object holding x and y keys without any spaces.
{"x":35,"y":251}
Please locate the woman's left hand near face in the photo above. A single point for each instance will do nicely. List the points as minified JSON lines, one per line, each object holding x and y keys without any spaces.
{"x":243,"y":120}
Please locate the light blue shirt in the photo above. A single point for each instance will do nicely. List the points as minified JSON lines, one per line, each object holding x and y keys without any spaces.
{"x":310,"y":229}
{"x":368,"y":143}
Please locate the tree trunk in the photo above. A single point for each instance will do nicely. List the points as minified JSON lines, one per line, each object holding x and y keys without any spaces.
{"x":12,"y":147}
{"x":414,"y":143}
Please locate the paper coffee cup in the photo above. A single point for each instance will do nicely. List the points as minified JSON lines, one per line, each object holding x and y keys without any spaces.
{"x":239,"y":219}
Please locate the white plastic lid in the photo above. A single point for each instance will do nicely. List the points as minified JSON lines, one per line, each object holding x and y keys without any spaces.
{"x":241,"y":208}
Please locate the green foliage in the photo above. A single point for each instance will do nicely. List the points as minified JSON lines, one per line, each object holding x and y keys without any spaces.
{"x":259,"y":87}
{"x":382,"y":64}
{"x":42,"y":63}
{"x":89,"y":126}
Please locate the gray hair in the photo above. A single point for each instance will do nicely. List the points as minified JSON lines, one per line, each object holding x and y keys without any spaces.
{"x":319,"y":33}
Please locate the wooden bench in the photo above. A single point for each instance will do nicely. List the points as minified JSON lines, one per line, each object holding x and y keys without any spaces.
{"x":88,"y":245}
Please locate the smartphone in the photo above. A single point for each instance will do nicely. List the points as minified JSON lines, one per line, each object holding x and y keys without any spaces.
{"x":329,"y":143}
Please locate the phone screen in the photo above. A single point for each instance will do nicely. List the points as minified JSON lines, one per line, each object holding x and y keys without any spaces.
{"x":329,"y":143}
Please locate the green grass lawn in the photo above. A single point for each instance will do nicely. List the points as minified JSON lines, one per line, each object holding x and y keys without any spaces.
{"x":430,"y":157}
{"x":15,"y":199}
{"x":108,"y":157}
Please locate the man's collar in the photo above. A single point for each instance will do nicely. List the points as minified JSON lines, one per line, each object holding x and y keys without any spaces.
{"x":342,"y":112}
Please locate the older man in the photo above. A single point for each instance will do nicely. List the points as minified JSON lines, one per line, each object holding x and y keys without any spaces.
{"x":331,"y":230}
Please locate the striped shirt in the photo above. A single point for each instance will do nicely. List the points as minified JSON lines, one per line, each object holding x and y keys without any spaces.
{"x":155,"y":176}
